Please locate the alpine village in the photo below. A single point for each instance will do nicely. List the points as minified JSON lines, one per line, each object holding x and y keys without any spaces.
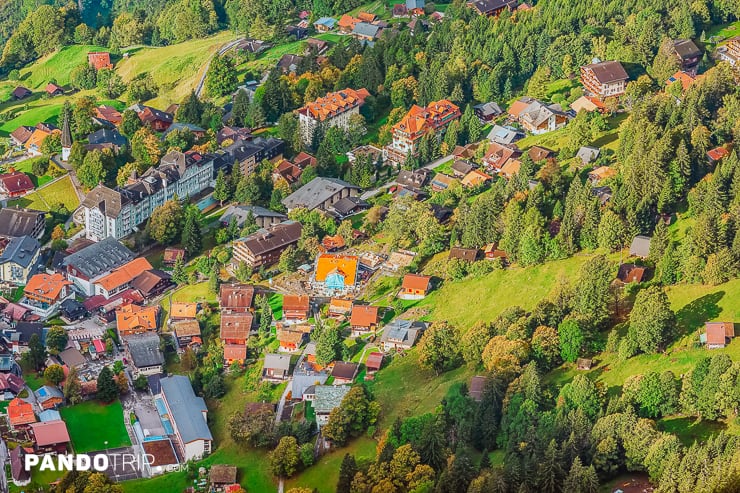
{"x":370,"y":246}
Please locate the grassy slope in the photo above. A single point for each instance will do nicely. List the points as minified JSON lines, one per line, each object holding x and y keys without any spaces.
{"x":44,"y":198}
{"x":176,"y":69}
{"x":107,"y":421}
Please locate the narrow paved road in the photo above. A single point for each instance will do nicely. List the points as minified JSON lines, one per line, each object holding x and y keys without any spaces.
{"x":221,"y":51}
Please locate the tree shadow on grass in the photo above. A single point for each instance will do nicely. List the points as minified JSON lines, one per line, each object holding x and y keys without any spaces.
{"x":692,"y":316}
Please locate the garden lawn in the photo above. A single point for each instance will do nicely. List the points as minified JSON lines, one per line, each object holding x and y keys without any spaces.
{"x":276,"y":303}
{"x":43,"y":199}
{"x":188,"y":293}
{"x":57,"y":65}
{"x":91,"y":424}
{"x":33,"y":381}
{"x":40,"y":111}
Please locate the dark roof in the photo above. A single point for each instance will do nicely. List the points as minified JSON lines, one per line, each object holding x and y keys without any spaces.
{"x":287,"y":60}
{"x":347,"y":205}
{"x":463,"y":167}
{"x":72,"y":308}
{"x":413,"y":179}
{"x":21,"y":250}
{"x":66,"y":139}
{"x":686,"y":48}
{"x":148,"y":280}
{"x":477,"y":385}
{"x":240,"y":212}
{"x":611,"y":71}
{"x":314,"y":193}
{"x":344,"y":370}
{"x":468,"y":254}
{"x":17,"y":465}
{"x":21,"y":92}
{"x":99,"y":257}
{"x":278,"y":236}
{"x":144,"y":349}
{"x":22,"y":133}
{"x":109,"y":201}
{"x":486,"y":6}
{"x":222,"y":474}
{"x":107,"y":136}
{"x":26,"y":329}
{"x":187,"y":408}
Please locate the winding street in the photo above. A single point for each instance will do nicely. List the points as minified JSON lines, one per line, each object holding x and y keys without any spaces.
{"x":221,"y":51}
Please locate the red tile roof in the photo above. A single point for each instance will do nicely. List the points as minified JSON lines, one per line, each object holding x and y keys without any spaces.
{"x":718,"y":332}
{"x":20,"y":412}
{"x":16,"y":182}
{"x":50,"y":433}
{"x":364,"y":316}
{"x":416,"y":281}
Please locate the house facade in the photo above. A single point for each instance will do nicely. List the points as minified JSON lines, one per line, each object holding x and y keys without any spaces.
{"x":19,"y":259}
{"x":332,"y":110}
{"x":264,"y":246}
{"x":408,"y":132}
{"x":604,"y":79}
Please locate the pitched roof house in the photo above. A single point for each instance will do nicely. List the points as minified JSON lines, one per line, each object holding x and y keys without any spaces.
{"x":50,"y":436}
{"x":415,"y":287}
{"x":604,"y":79}
{"x":15,"y":222}
{"x":364,"y":319}
{"x":718,"y":334}
{"x":344,"y":372}
{"x":236,"y":298}
{"x":640,"y":246}
{"x":21,"y":92}
{"x":134,"y":319}
{"x":335,"y":273}
{"x":15,"y":184}
{"x":121,"y":277}
{"x":320,"y":193}
{"x":401,"y":334}
{"x":276,"y":366}
{"x":264,"y":246}
{"x":20,"y":413}
{"x":296,"y":308}
{"x":19,"y":260}
{"x":99,"y":59}
{"x":143,"y":349}
{"x":328,"y":397}
{"x":188,"y":416}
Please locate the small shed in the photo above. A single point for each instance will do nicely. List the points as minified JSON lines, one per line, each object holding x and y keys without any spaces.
{"x":374,"y":362}
{"x":584,"y":364}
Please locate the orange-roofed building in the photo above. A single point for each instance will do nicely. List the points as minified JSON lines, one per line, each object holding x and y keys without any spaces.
{"x":718,"y":334}
{"x":685,"y":79}
{"x":408,"y":132}
{"x":120,"y":279}
{"x":364,"y":319}
{"x":183,"y":311}
{"x":475,"y":178}
{"x":601,"y":173}
{"x":108,"y":114}
{"x":335,"y":273}
{"x":333,"y":243}
{"x":339,"y":307}
{"x":33,"y":144}
{"x":99,"y":59}
{"x":332,"y":110}
{"x":235,"y":353}
{"x":511,"y":168}
{"x":235,"y":327}
{"x":415,"y":287}
{"x":44,"y":292}
{"x":367,"y":17}
{"x":134,"y":319}
{"x":20,"y":413}
{"x":296,"y":308}
{"x":347,"y":23}
{"x":290,"y":340}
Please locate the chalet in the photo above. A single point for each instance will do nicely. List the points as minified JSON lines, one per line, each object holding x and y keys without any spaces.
{"x":415,"y":180}
{"x":399,"y":10}
{"x":106,"y":138}
{"x":601,"y":173}
{"x":16,"y":223}
{"x":49,"y":397}
{"x":264,"y":246}
{"x":45,"y":292}
{"x":466,"y":254}
{"x":144,"y":353}
{"x":364,"y":319}
{"x":235,"y":328}
{"x":346,"y":207}
{"x":491,"y":252}
{"x":276,"y":367}
{"x":730,"y":52}
{"x":183,"y":311}
{"x":290,"y":340}
{"x":72,"y":358}
{"x":152,"y":283}
{"x":264,"y":218}
{"x":333,"y":243}
{"x":53,"y":89}
{"x":602,"y":80}
{"x":344,"y":373}
{"x":325,"y":24}
{"x":316,"y":46}
{"x":21,"y":92}
{"x":631,"y":273}
{"x":186,"y":332}
{"x":537,"y":153}
{"x":366,"y":32}
{"x":220,"y":476}
{"x":461,"y":167}
{"x":50,"y":437}
{"x":497,"y":155}
{"x":134,"y":319}
{"x":640,"y":246}
{"x":328,"y":398}
{"x":374,"y":362}
{"x":335,"y":273}
{"x":235,"y":353}
{"x":320,"y":193}
{"x":339,"y":308}
{"x":157,"y":119}
{"x":15,"y":184}
{"x":198,"y":132}
{"x":688,"y":55}
{"x":510,"y":168}
{"x":537,"y":117}
{"x":106,"y":115}
{"x":477,"y":387}
{"x":504,"y":135}
{"x":487,"y":112}
{"x":18,"y":338}
{"x":236,"y":298}
{"x":296,"y":308}
{"x":99,"y":59}
{"x":717,"y":154}
{"x":418,"y":121}
{"x":587,"y":154}
{"x":584,"y":364}
{"x":172,"y":255}
{"x":415,"y":287}
{"x":20,"y":135}
{"x":289,"y":63}
{"x":287,"y":171}
{"x":20,"y":413}
{"x":718,"y":334}
{"x":250,"y":45}
{"x":475,"y":178}
{"x":36,"y":139}
{"x":442,"y":182}
{"x":10,"y":382}
{"x":401,"y":335}
{"x":491,"y":7}
{"x":347,"y":23}
{"x":604,"y":194}
{"x":297,"y":32}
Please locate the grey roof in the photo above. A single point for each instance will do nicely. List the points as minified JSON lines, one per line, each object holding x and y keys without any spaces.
{"x":187,"y":408}
{"x":316,"y":192}
{"x":107,"y":136}
{"x":489,"y":108}
{"x":240,"y":212}
{"x":587,"y":154}
{"x":304,"y":378}
{"x":538,"y":112}
{"x":640,"y":246}
{"x":502,"y":135}
{"x":109,"y":201}
{"x":348,"y":204}
{"x":277,"y":361}
{"x":49,"y":415}
{"x":144,"y":349}
{"x":72,"y":357}
{"x":404,"y":332}
{"x":18,"y":222}
{"x":20,"y":251}
{"x":329,"y":22}
{"x":47,"y":392}
{"x":414,"y":4}
{"x":329,"y":397}
{"x":183,"y":126}
{"x":366,"y":29}
{"x":99,"y":258}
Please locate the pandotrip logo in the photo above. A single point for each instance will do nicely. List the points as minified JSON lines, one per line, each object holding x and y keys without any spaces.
{"x":83,"y":462}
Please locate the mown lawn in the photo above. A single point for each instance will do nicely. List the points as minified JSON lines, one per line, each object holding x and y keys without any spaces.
{"x":44,"y":198}
{"x":189,"y":293}
{"x":91,"y":424}
{"x":33,"y":381}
